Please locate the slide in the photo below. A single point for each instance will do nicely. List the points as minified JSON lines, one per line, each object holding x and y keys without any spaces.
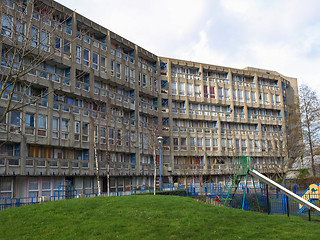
{"x":288,"y":193}
{"x":312,"y":193}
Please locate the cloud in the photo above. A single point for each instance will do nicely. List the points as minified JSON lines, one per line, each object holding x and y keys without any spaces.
{"x":280,"y":35}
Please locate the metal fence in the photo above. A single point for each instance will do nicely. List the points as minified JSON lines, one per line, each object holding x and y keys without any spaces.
{"x":18,"y":202}
{"x":255,"y":199}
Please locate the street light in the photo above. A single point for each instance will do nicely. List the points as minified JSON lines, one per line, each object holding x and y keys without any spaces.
{"x":160,"y":139}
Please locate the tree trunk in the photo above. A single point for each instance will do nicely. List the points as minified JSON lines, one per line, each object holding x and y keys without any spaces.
{"x":311,"y":147}
{"x":155,"y":170}
{"x":96,"y":159}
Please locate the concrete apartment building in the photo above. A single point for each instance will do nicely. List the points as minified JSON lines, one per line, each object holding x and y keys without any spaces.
{"x":99,"y":91}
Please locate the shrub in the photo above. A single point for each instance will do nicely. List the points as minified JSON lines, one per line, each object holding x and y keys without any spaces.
{"x":251,"y":202}
{"x":303,"y":173}
{"x":172,"y":193}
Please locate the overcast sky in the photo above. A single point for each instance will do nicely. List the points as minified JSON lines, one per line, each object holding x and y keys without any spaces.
{"x":280,"y":35}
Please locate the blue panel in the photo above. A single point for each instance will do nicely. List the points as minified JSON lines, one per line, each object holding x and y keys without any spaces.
{"x":132,"y":93}
{"x":133,"y":158}
{"x":164,"y":84}
{"x":85,"y":154}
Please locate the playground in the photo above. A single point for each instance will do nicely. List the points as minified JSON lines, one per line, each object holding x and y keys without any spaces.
{"x":148,"y":217}
{"x":243,"y":192}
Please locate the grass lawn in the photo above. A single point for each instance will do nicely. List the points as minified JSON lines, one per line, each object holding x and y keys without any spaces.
{"x":148,"y":217}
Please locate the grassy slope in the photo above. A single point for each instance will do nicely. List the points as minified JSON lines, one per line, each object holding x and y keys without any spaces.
{"x":147,"y":217}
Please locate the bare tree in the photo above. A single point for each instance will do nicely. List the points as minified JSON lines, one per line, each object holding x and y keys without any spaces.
{"x":153,"y":145}
{"x":101,"y":108}
{"x":293,"y":133}
{"x":310,"y":120}
{"x":31,"y":35}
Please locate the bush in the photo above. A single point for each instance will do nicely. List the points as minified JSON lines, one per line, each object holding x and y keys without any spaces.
{"x":172,"y":193}
{"x":251,"y":202}
{"x":303,"y":173}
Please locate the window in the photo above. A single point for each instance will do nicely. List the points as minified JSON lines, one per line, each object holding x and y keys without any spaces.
{"x":139,"y":79}
{"x":15,"y":118}
{"x":205,"y":91}
{"x":229,"y":143}
{"x":208,"y":142}
{"x":29,"y":120}
{"x":111,"y":136}
{"x":55,"y":127}
{"x":78,"y":54}
{"x":247,"y":96}
{"x":33,"y":188}
{"x":42,"y":122}
{"x":85,"y":132}
{"x":165,"y":121}
{"x":86,"y":57}
{"x":119,"y":137}
{"x":237,"y":145}
{"x":244,"y":145}
{"x":6,"y":187}
{"x":183,"y":142}
{"x":164,"y":102}
{"x":190,"y":90}
{"x":220,"y":92}
{"x":102,"y":132}
{"x":212,"y":93}
{"x":20,"y":30}
{"x":215,"y":142}
{"x":174,"y":88}
{"x":118,"y":70}
{"x":77,"y":130}
{"x":176,"y":144}
{"x":66,"y":47}
{"x":112,"y":68}
{"x":45,"y":41}
{"x":132,"y":75}
{"x":103,"y":64}
{"x":8,"y":3}
{"x":263,"y":145}
{"x":164,"y":84}
{"x":234,"y":94}
{"x":197,"y":91}
{"x":34,"y":36}
{"x":227,"y":94}
{"x":256,"y":146}
{"x":182,"y":89}
{"x":64,"y":128}
{"x":3,"y":123}
{"x":42,"y":125}
{"x":251,"y":146}
{"x":57,"y":45}
{"x":278,"y":100}
{"x":166,"y":141}
{"x":199,"y":142}
{"x":144,"y":81}
{"x":240,"y":95}
{"x":95,"y":61}
{"x":6,"y":25}
{"x":133,"y":136}
{"x":253,"y":97}
{"x":265,"y":97}
{"x":192,"y":141}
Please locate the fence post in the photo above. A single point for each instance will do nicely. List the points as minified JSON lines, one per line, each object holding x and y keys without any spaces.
{"x":268,"y":202}
{"x":287,"y":205}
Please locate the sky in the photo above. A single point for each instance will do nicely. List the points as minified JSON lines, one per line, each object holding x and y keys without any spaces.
{"x":279,"y":35}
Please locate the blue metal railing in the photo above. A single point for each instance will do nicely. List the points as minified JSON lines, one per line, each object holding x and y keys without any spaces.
{"x":277,"y":201}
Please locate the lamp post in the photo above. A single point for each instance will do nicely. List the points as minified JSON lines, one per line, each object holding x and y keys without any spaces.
{"x":160,"y":139}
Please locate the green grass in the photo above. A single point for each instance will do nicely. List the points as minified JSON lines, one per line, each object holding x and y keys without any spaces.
{"x":147,"y":217}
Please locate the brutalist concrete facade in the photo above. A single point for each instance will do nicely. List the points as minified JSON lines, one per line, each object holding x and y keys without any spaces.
{"x":99,"y":90}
